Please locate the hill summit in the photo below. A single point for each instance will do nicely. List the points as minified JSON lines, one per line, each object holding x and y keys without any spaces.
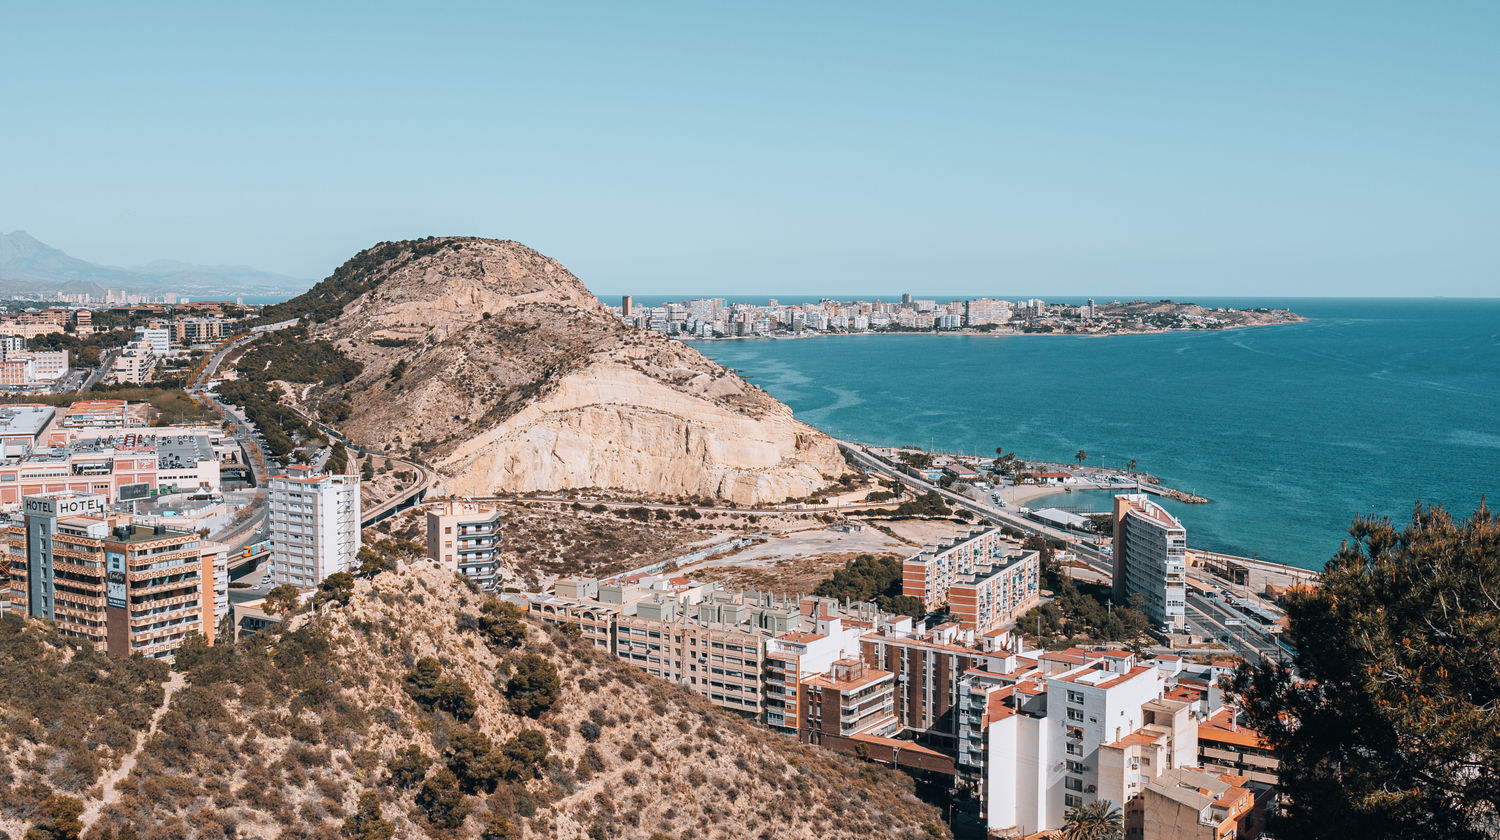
{"x":508,"y":375}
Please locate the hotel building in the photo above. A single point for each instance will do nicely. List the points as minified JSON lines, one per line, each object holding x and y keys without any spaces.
{"x":123,"y":588}
{"x":1150,"y":559}
{"x":315,"y":526}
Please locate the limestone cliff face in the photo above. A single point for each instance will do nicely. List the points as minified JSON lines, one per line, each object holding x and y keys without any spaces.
{"x":511,"y":376}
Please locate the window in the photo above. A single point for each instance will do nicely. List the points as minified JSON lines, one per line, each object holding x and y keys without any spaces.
{"x":1073,"y":784}
{"x":1075,"y":697}
{"x":1075,"y":714}
{"x":1075,"y":749}
{"x":1072,"y":801}
{"x":1075,"y":767}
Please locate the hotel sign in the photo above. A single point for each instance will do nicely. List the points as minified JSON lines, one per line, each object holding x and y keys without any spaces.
{"x":60,"y":506}
{"x":114,"y":588}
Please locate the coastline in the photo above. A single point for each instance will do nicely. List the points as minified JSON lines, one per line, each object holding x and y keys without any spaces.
{"x":807,"y":334}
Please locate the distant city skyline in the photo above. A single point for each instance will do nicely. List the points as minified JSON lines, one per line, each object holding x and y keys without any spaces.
{"x":1274,"y":150}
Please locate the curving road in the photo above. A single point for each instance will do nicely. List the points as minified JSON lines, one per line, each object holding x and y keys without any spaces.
{"x":1204,"y":615}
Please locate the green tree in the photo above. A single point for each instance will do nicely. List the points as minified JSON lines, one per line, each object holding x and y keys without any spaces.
{"x":365,"y":823}
{"x":337,"y":587}
{"x":1385,"y":725}
{"x":338,"y":459}
{"x":433,"y":690}
{"x":367,"y":470}
{"x":282,"y":599}
{"x":372,"y":562}
{"x":1081,"y":456}
{"x":1098,"y":820}
{"x":534,"y":687}
{"x":475,"y":761}
{"x":408,"y":766}
{"x":58,"y":819}
{"x":502,"y":624}
{"x":440,"y":797}
{"x":1130,"y":465}
{"x":525,"y":752}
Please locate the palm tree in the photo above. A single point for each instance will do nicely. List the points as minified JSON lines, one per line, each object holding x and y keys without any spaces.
{"x":1081,"y":457}
{"x":1130,"y":465}
{"x":1099,"y":820}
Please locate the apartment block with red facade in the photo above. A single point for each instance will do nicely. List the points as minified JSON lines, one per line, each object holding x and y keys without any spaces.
{"x":929,"y":574}
{"x":928,"y":666}
{"x":850,"y":700}
{"x":994,"y":595}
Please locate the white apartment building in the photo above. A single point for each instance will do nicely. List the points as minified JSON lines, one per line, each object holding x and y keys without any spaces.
{"x":160,"y":339}
{"x":794,"y":657}
{"x":315,"y":526}
{"x":134,"y":364}
{"x":982,"y":311}
{"x":1150,"y":559}
{"x":1040,"y":744}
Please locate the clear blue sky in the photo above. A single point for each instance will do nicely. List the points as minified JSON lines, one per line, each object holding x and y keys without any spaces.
{"x":1183,"y":148}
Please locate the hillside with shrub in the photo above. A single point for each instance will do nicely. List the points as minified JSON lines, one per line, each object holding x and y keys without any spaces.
{"x":408,"y":705}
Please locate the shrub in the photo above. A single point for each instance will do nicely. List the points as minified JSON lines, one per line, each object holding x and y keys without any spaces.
{"x":534,"y":687}
{"x":502,"y":624}
{"x":499,"y":828}
{"x":58,"y":820}
{"x":525,"y":754}
{"x":430,"y":689}
{"x":365,"y":823}
{"x":589,"y":730}
{"x":408,"y":766}
{"x":444,"y":803}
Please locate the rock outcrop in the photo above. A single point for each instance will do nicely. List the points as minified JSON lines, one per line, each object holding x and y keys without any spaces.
{"x":508,"y":375}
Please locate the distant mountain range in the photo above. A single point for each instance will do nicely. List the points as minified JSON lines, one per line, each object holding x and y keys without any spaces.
{"x":28,"y":266}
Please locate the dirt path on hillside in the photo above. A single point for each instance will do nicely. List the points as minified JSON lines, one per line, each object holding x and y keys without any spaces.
{"x":93,"y":807}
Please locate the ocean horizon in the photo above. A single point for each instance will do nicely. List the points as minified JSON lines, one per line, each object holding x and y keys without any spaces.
{"x":1366,"y":408}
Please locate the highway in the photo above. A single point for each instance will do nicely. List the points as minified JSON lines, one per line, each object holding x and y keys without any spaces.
{"x":258,"y":457}
{"x":1207,"y":617}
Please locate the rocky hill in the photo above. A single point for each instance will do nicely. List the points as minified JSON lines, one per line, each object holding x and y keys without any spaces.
{"x":508,"y":375}
{"x":409,"y":706}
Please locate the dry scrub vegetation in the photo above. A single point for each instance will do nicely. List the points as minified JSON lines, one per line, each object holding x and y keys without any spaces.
{"x":413,"y":707}
{"x":69,"y":714}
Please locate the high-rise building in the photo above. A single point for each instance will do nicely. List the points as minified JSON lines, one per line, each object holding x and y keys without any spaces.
{"x":1150,"y":559}
{"x":464,"y":537}
{"x":120,"y":587}
{"x":315,"y":526}
{"x":625,"y":305}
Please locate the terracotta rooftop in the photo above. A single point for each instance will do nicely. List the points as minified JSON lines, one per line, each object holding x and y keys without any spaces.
{"x":1219,"y":728}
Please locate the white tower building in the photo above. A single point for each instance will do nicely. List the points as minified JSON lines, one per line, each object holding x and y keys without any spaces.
{"x":315,"y":529}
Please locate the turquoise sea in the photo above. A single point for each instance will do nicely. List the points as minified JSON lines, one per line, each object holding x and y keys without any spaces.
{"x":1292,"y":430}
